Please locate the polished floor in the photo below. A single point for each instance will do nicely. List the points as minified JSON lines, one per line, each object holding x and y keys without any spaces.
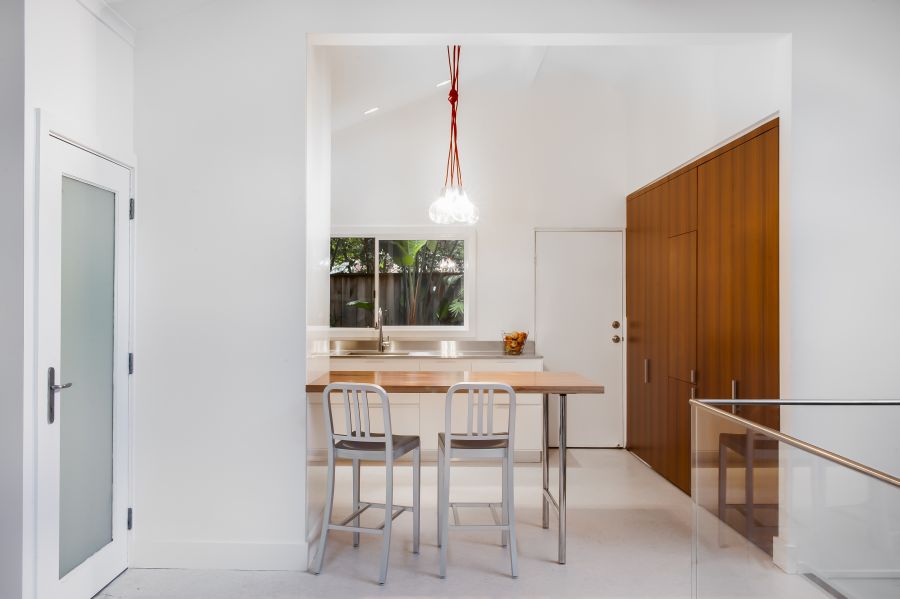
{"x":629,"y":537}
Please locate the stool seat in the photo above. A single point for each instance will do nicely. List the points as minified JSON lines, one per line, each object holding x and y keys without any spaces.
{"x":402,"y":444}
{"x":475,"y":443}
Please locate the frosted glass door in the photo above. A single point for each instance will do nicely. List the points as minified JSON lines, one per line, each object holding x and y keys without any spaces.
{"x":86,"y":360}
{"x":83,"y":304}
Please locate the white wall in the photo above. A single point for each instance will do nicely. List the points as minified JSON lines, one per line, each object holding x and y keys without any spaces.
{"x":220,"y":417}
{"x":596,"y":124}
{"x":221,"y":308}
{"x":12,"y":250}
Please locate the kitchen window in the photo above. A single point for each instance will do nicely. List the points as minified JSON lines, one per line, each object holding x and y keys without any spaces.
{"x":420,"y":280}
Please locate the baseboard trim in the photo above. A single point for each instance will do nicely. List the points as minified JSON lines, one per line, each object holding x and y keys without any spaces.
{"x":207,"y":555}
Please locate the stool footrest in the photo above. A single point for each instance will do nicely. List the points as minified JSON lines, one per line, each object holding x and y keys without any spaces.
{"x":396,"y":511}
{"x":494,"y":513}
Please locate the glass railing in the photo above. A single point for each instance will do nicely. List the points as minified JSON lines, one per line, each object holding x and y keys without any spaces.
{"x":796,"y":499}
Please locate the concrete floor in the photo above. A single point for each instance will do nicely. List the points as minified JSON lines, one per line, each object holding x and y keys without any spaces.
{"x":629,"y":536}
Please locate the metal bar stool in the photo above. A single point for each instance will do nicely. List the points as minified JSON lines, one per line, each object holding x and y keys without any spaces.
{"x":358,"y":442}
{"x":480,"y":442}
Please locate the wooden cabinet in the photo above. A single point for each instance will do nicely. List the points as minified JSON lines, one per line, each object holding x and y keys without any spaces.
{"x":646,"y":317}
{"x":738,"y":275}
{"x":702,"y":295}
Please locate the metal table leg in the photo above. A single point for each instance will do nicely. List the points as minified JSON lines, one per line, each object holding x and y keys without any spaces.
{"x":560,"y":502}
{"x":562,"y":478}
{"x":545,"y":512}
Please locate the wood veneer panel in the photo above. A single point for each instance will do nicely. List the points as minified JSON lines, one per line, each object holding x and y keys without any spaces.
{"x":657,"y":324}
{"x":635,"y":293}
{"x":682,"y":198}
{"x":682,"y":304}
{"x":738,"y":274}
{"x":678,"y":412}
{"x":767,"y":126}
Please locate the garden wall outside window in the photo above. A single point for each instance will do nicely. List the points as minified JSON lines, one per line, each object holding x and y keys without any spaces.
{"x":416,"y":282}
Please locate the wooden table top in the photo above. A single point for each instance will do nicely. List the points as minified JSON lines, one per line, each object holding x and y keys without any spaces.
{"x":438,"y":382}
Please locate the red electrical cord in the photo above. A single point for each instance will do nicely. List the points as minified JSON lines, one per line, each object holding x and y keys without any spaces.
{"x":453,"y":171}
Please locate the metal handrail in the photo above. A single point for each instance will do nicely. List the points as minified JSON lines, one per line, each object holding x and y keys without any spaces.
{"x":799,"y":402}
{"x":709,"y":405}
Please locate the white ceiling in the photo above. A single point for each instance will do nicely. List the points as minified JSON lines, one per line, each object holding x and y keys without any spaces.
{"x":142,"y":13}
{"x":390,"y":77}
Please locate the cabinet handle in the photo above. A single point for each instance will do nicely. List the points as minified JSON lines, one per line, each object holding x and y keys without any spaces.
{"x":693,"y":376}
{"x":734,"y":395}
{"x":646,"y":370}
{"x":693,"y":392}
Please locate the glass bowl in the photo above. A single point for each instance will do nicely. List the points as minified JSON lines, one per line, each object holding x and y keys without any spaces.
{"x":514,"y":342}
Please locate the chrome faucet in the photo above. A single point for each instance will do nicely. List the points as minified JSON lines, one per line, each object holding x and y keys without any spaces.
{"x":379,"y":326}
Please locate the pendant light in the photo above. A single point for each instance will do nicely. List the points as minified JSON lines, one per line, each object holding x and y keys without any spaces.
{"x":453,"y":205}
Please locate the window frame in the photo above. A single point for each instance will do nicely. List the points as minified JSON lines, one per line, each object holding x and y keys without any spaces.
{"x":380,"y":233}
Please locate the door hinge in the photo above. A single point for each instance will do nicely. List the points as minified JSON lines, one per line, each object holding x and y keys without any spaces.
{"x":130,"y":363}
{"x":131,"y":209}
{"x":130,"y":520}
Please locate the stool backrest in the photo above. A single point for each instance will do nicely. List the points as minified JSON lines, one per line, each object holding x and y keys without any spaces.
{"x":355,"y":407}
{"x":480,"y":411}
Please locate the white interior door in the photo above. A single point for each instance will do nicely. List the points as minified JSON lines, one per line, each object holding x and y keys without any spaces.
{"x":83,"y":310}
{"x":578,"y":316}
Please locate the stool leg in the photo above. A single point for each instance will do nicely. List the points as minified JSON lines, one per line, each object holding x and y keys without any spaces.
{"x":440,"y":492}
{"x":388,"y":520}
{"x":723,"y":492}
{"x":356,"y":500}
{"x":445,"y":510}
{"x":511,"y":517}
{"x":326,"y":516}
{"x":504,"y":510}
{"x":416,"y":496}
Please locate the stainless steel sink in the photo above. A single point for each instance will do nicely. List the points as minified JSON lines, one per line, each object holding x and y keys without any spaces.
{"x":368,"y":352}
{"x":424,"y":349}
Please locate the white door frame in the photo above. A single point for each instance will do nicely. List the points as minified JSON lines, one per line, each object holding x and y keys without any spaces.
{"x":50,"y":126}
{"x":624,"y":333}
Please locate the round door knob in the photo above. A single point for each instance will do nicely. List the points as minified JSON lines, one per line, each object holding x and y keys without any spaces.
{"x":615,"y":324}
{"x":616,"y":338}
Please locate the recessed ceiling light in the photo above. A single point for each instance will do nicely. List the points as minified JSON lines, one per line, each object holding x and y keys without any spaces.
{"x":443,"y":83}
{"x":371,"y":110}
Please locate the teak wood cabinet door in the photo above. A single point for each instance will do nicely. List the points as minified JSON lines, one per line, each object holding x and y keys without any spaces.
{"x":738,"y":275}
{"x":646,"y":313}
{"x":702,"y":296}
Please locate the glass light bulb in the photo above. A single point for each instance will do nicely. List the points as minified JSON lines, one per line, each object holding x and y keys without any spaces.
{"x":453,"y":206}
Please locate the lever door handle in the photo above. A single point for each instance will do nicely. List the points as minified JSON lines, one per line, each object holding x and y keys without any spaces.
{"x":52,"y":389}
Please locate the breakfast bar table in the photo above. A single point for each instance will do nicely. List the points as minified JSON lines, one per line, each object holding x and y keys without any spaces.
{"x":562,"y":384}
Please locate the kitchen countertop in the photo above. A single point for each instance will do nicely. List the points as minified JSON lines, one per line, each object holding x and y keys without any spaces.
{"x":439,"y":382}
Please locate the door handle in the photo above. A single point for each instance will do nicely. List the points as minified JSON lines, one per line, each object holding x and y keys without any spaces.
{"x":616,"y":338}
{"x":52,"y":389}
{"x":616,"y":324}
{"x":646,"y":370}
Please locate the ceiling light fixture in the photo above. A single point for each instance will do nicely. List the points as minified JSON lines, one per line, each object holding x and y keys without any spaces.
{"x":371,"y":110}
{"x":453,"y":205}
